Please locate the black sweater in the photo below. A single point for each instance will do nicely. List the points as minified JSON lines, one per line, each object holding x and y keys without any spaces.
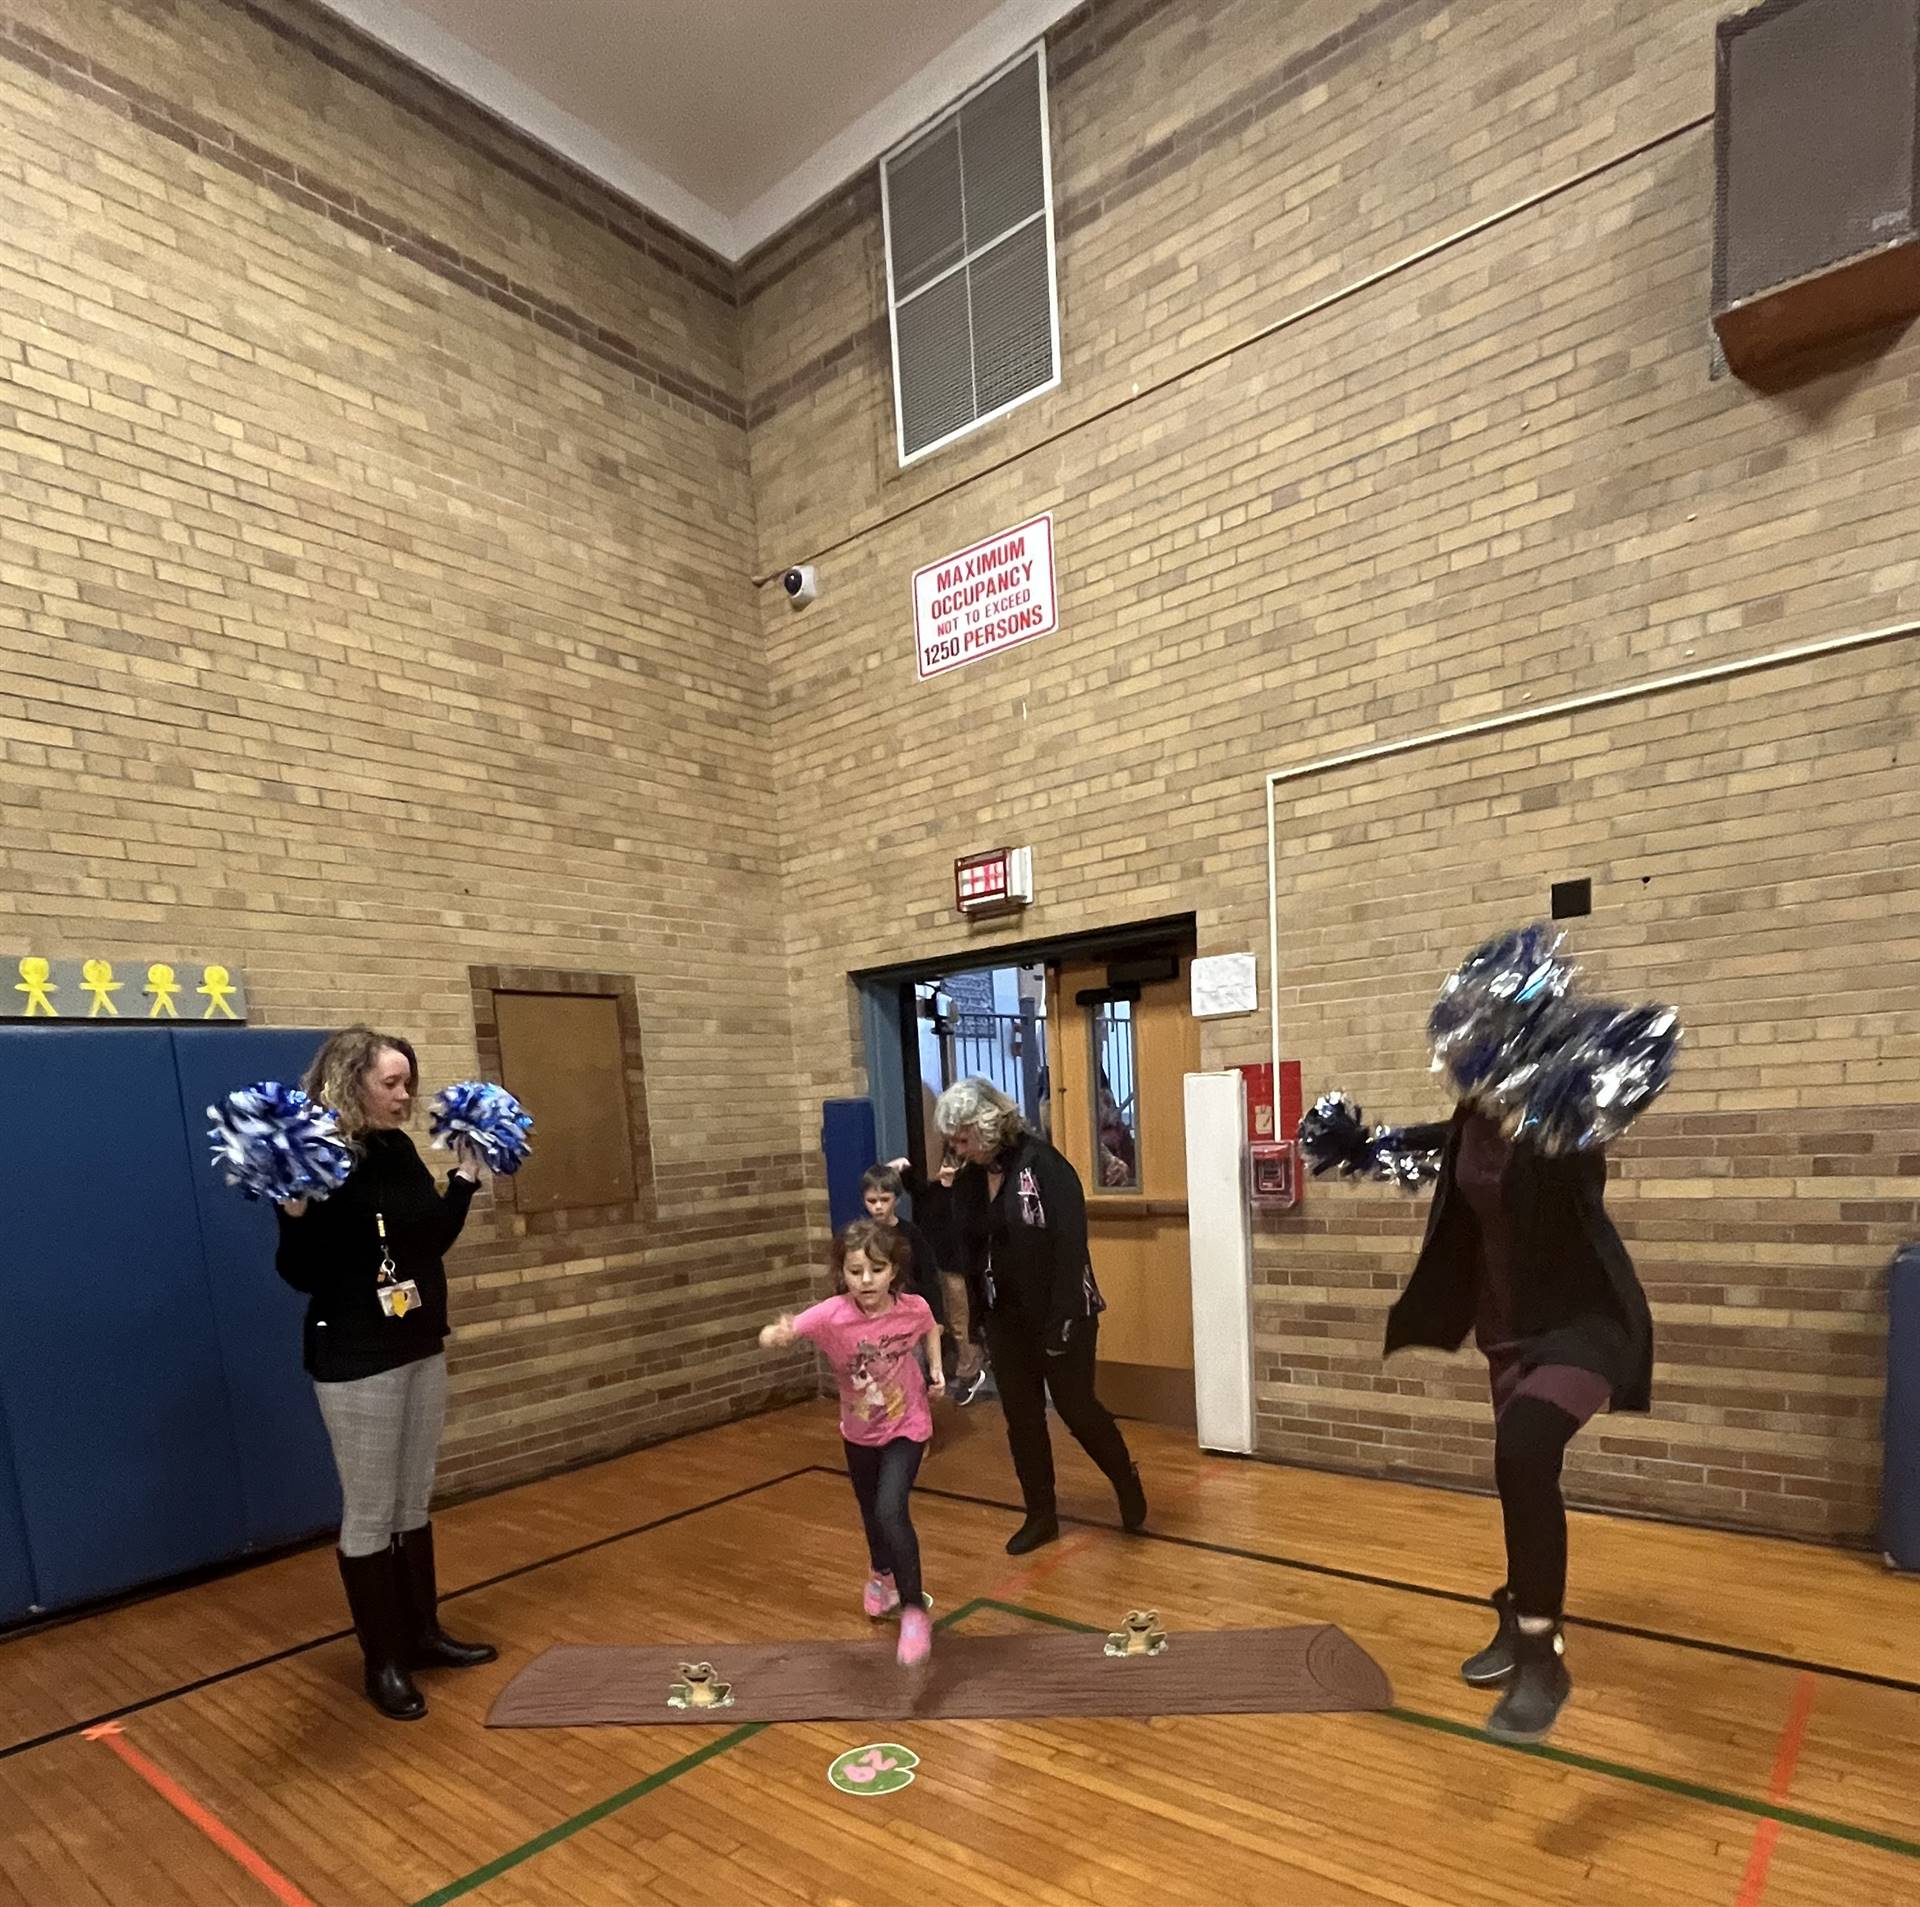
{"x":933,"y":1213}
{"x":1574,"y":1299}
{"x":332,"y":1253}
{"x":1030,"y":1243}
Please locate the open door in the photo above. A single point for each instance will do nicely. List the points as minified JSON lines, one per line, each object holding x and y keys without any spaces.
{"x":1122,"y":1040}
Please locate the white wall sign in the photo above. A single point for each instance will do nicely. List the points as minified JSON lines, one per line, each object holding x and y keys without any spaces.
{"x":1223,"y":983}
{"x":985,"y":598}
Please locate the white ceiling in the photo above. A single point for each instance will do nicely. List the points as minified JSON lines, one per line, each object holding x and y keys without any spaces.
{"x":727,"y":118}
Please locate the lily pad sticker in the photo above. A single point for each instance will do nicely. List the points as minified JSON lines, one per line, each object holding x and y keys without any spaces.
{"x":880,"y":1768}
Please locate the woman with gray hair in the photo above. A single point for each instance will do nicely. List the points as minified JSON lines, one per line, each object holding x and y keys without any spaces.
{"x":1021,"y":1215}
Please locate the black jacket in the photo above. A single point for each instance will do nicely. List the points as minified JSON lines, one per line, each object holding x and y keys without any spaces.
{"x":1575,"y":1300}
{"x":933,"y":1213}
{"x":1029,"y":1245}
{"x":332,"y":1253}
{"x":923,"y":1270}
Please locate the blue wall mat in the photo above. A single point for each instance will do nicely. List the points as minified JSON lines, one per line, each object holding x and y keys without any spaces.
{"x":18,"y":1594}
{"x":288,"y":1487}
{"x":846,"y":1137}
{"x":109,"y":1364}
{"x":1900,"y":1481}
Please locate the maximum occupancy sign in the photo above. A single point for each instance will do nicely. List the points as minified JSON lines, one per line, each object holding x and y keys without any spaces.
{"x":988,"y":597}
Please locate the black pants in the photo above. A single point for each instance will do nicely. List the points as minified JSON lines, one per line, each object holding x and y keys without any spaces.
{"x":1528,"y":1446}
{"x":883,"y":1477}
{"x":1025,"y":1374}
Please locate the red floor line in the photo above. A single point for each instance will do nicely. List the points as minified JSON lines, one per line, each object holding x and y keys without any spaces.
{"x":1753,"y":1883}
{"x":111,"y":1735}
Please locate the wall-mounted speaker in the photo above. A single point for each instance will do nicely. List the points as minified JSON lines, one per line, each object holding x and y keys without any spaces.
{"x":1817,"y":217}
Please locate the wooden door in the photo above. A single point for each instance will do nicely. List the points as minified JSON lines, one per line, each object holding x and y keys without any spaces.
{"x":1118,"y":1066}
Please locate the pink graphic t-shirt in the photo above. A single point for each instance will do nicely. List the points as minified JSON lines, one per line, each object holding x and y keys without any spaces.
{"x":883,"y":1391}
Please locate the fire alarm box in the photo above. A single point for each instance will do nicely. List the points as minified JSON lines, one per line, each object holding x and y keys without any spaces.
{"x":1274,"y":1175}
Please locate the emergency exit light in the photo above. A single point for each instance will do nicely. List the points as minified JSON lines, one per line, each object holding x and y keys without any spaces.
{"x":996,"y":882}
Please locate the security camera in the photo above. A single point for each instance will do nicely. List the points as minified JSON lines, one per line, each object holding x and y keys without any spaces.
{"x":801,"y":585}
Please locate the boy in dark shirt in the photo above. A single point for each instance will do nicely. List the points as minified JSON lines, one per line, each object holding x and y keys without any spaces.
{"x":933,"y":1209}
{"x":880,"y":1190}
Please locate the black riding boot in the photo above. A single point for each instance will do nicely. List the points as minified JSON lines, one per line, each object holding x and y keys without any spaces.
{"x":380,"y":1620}
{"x":430,"y":1646}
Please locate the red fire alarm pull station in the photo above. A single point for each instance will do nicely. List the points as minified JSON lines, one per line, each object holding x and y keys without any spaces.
{"x":997,"y":882}
{"x":1273,"y":1122}
{"x":1274,"y":1174}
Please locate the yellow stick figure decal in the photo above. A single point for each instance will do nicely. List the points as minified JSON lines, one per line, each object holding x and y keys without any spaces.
{"x":34,"y":976}
{"x":161,"y":987}
{"x":217,"y":988}
{"x":97,"y":977}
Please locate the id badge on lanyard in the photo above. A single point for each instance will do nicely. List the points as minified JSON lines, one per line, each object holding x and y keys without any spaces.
{"x":398,"y":1295}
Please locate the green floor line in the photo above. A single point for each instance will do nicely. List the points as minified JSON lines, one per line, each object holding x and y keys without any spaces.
{"x":614,"y":1803}
{"x":1667,"y":1784}
{"x":598,"y":1812}
{"x":1409,"y":1717}
{"x":1568,"y":1758}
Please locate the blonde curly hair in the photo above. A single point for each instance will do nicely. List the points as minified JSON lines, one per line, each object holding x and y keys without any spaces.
{"x":334,"y":1079}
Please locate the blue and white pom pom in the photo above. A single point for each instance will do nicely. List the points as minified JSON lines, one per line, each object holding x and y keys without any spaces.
{"x":1335,"y":1138}
{"x":1602,"y":1066}
{"x":275,"y":1143}
{"x":1496,"y":1008}
{"x":489,"y":1119}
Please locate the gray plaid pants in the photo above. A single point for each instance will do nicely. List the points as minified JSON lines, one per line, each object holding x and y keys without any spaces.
{"x":385,"y":1432}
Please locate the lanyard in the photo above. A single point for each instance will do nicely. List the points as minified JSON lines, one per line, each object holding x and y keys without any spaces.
{"x":388,"y":1268}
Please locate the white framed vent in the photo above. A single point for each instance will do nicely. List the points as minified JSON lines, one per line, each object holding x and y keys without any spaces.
{"x":971,"y":295}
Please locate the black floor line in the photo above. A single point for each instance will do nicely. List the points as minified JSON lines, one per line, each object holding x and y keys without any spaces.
{"x":339,"y":1635}
{"x":1733,"y":1650}
{"x":1765,"y":1657}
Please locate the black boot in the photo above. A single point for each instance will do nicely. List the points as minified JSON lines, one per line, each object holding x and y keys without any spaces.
{"x":430,"y":1645}
{"x":1133,"y":1499}
{"x":380,"y":1620}
{"x":1538,"y":1690}
{"x":1040,"y":1527}
{"x":1494,"y":1663}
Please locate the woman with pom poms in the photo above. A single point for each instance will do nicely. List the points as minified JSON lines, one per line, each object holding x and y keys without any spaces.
{"x":1519,"y":1250}
{"x":369,"y":1257}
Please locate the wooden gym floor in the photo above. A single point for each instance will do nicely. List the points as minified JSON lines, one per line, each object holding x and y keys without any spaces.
{"x":1745,"y":1729}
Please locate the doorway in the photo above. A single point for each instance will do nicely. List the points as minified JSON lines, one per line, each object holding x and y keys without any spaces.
{"x":1093,"y":1038}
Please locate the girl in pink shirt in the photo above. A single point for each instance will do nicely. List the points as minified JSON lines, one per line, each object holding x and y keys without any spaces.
{"x":871,"y":1333}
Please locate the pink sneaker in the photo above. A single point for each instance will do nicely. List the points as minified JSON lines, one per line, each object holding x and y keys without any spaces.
{"x":880,"y":1597}
{"x":916,"y":1638}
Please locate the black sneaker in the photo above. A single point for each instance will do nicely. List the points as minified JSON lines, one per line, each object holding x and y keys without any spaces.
{"x":966,"y":1389}
{"x":1133,"y":1500}
{"x":1494,"y":1663}
{"x":1538,"y":1690}
{"x":1035,"y":1531}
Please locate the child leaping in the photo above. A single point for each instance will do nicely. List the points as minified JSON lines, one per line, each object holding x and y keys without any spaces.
{"x":870,"y":1333}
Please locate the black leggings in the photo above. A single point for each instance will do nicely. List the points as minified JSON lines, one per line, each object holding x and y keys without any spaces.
{"x":883,"y":1477}
{"x":1530,"y":1440}
{"x":1026,"y":1375}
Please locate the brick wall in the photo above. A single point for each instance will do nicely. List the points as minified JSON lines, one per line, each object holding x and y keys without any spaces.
{"x":375,"y":527}
{"x":1389,"y":406}
{"x":386,"y":540}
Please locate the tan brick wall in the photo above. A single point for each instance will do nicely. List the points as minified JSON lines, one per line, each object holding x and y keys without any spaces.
{"x":382,"y":511}
{"x":1355,"y":445}
{"x":374,"y":533}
